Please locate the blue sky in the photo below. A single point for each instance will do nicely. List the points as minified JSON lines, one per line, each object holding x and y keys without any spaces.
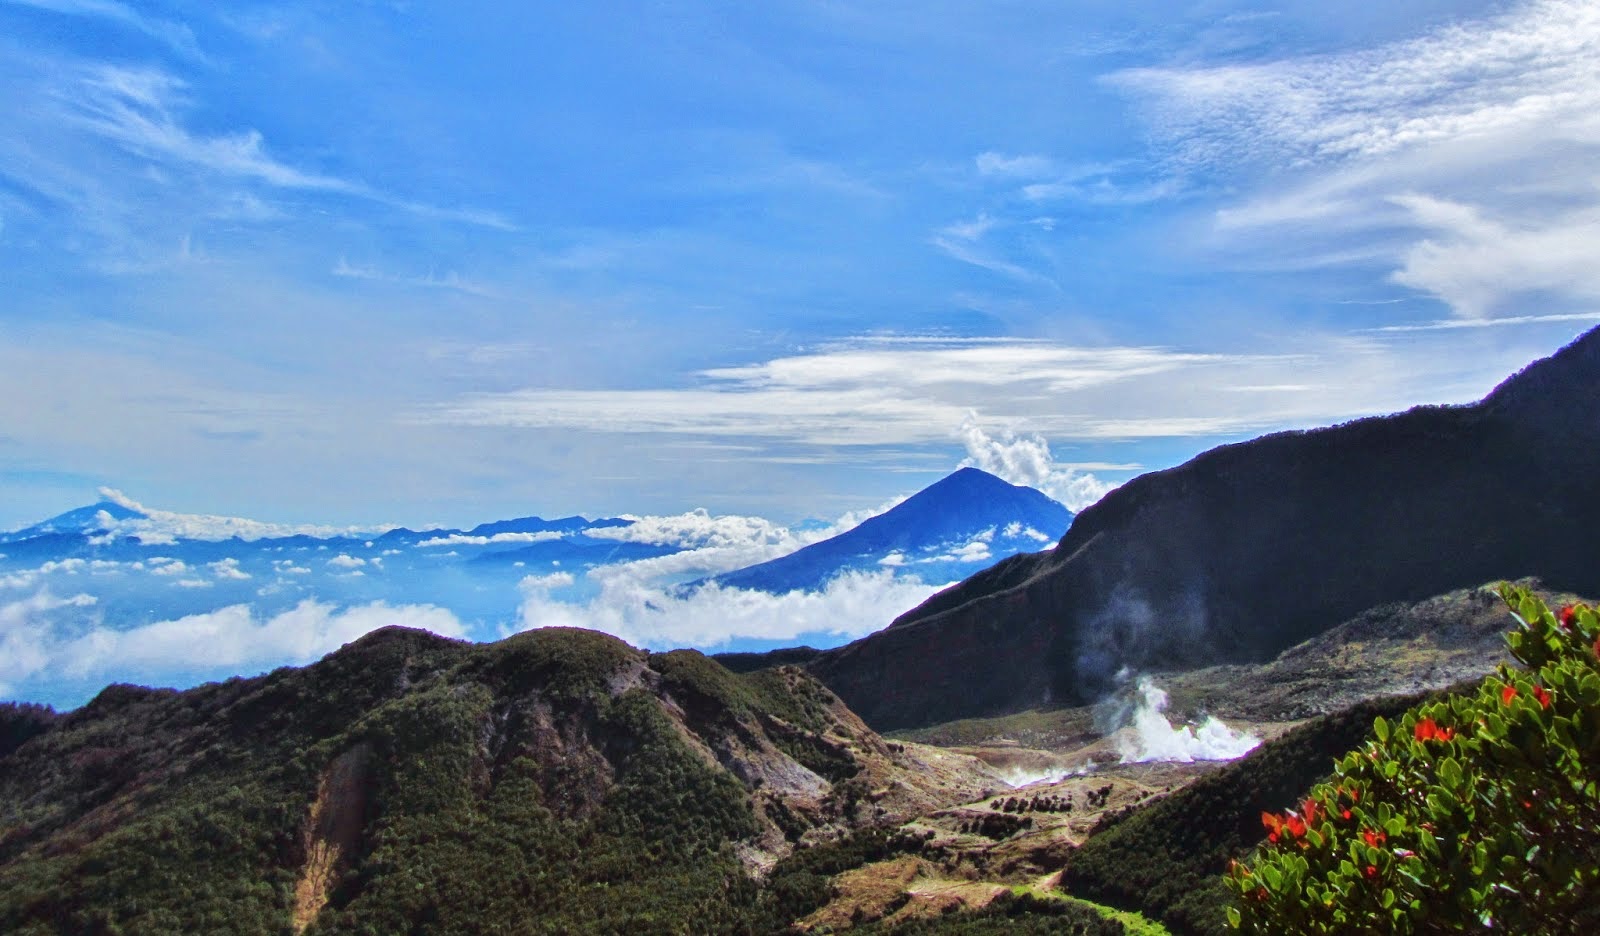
{"x":368,"y":262}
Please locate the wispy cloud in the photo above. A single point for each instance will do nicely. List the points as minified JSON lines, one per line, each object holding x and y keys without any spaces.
{"x":1531,"y":67}
{"x":138,"y":107}
{"x":450,"y":279}
{"x":175,"y":35}
{"x":1463,"y":156}
{"x":883,"y":394}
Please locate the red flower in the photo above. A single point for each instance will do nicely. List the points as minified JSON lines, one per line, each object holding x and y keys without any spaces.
{"x":1309,"y":809}
{"x":1429,"y":730}
{"x":1569,"y":613}
{"x":1507,"y":694}
{"x":1543,"y":696}
{"x":1372,"y":871}
{"x":1345,"y":815}
{"x":1295,"y":826}
{"x":1373,"y":838}
{"x":1274,"y":825}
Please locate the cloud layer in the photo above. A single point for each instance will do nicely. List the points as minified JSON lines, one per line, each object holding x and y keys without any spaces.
{"x":852,"y":605}
{"x":46,"y":637}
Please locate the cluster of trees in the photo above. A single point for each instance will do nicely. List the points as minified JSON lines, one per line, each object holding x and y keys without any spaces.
{"x":1050,"y":804}
{"x":997,"y":825}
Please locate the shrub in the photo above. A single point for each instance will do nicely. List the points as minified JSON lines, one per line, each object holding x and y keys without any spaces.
{"x":1477,"y":811}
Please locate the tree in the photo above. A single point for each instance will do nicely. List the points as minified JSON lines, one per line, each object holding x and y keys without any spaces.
{"x":1480,"y":811}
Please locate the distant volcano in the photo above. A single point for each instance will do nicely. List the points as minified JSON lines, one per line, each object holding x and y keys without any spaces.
{"x":947,"y":530}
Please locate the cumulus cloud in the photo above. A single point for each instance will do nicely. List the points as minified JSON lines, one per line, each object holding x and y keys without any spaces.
{"x":228,"y":569}
{"x":852,"y":605}
{"x":36,"y":644}
{"x":346,"y":561}
{"x":1026,"y":460}
{"x":27,"y":578}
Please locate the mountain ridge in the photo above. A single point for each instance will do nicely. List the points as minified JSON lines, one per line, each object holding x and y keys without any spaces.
{"x":1252,"y":547}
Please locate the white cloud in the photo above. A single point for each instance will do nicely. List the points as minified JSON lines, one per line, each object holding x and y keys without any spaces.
{"x":697,"y":529}
{"x":876,"y":394}
{"x":166,"y":527}
{"x":462,"y":539}
{"x":27,"y":578}
{"x":26,"y":635}
{"x":1463,"y":157}
{"x":233,"y":638}
{"x":39,"y":644}
{"x":1469,"y":259}
{"x":346,"y":561}
{"x":137,"y":107}
{"x":172,"y":567}
{"x":993,"y":163}
{"x":228,"y":569}
{"x":176,"y":35}
{"x":1026,"y":460}
{"x":850,"y":606}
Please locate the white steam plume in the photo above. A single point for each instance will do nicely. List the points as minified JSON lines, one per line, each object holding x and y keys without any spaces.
{"x":1155,"y":739}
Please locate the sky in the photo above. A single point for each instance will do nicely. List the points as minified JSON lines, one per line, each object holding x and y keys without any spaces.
{"x":426,"y":263}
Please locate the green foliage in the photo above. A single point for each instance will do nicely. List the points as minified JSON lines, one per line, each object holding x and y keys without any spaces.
{"x":802,"y":882}
{"x":20,"y":721}
{"x":511,"y":788}
{"x":1166,"y":858}
{"x":1010,"y":914}
{"x":1477,"y":811}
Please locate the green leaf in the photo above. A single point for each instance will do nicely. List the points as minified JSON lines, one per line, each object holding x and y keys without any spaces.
{"x":1380,"y":727}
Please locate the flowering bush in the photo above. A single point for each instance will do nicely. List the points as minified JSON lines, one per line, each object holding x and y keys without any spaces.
{"x":1480,"y":811}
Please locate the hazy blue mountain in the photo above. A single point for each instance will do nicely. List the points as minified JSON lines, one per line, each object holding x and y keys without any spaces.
{"x":950,"y":529}
{"x":80,"y":520}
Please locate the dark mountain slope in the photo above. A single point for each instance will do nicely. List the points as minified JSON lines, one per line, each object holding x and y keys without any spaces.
{"x":942,"y":516}
{"x":556,"y":782}
{"x":1251,"y":548}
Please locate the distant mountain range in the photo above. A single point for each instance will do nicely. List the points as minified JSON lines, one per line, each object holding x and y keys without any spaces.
{"x":1251,"y":548}
{"x":118,"y":566}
